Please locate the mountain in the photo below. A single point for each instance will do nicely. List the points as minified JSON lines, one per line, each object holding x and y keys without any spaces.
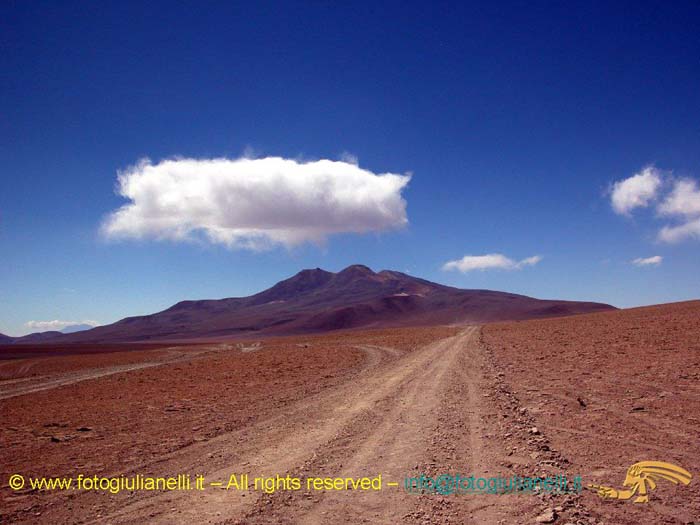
{"x":38,"y":337}
{"x":318,"y":301}
{"x":43,"y":337}
{"x":76,"y":328}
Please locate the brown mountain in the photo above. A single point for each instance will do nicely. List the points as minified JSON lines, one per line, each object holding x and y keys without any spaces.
{"x":317,"y":301}
{"x":39,"y":337}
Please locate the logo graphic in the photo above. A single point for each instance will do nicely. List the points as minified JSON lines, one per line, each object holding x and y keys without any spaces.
{"x":642,"y":478}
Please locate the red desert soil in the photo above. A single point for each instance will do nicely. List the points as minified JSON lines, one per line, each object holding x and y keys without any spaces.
{"x":498,"y":400}
{"x":611,"y":389}
{"x":185,"y":396}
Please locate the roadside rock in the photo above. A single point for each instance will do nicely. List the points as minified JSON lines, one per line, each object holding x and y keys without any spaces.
{"x":548,"y":516}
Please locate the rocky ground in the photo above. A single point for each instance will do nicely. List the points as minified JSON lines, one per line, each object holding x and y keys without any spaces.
{"x":608,"y":390}
{"x":586,"y":395}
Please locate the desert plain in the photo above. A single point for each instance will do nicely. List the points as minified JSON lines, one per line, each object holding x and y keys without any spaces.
{"x":585,"y":395}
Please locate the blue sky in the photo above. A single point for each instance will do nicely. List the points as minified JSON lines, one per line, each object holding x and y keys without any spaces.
{"x":513,"y":120}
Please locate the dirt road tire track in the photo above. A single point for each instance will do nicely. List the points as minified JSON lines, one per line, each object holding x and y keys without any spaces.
{"x":28,"y":385}
{"x":424,"y":411}
{"x":380,"y":417}
{"x":389,"y":439}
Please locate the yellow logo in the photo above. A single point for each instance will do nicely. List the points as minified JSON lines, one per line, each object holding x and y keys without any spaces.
{"x":642,"y":478}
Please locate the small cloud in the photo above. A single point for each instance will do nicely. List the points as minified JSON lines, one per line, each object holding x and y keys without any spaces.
{"x":255,"y":203}
{"x":648,"y":261}
{"x":492,"y":261}
{"x":45,"y":326}
{"x":684,"y":199}
{"x":687,"y":230}
{"x":683,"y":203}
{"x":636,"y":191}
{"x":529,"y":261}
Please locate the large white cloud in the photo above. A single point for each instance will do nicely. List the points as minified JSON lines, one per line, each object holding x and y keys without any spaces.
{"x":489,"y":261}
{"x":254,"y":203}
{"x":636,"y":191}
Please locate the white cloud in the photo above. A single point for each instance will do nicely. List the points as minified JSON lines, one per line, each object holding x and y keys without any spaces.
{"x":490,"y":261}
{"x":254,"y":203}
{"x":684,"y":199}
{"x":636,"y":191}
{"x":529,"y":261}
{"x":648,"y":261}
{"x":681,"y":203}
{"x":671,"y":234}
{"x":45,"y":326}
{"x":684,"y":203}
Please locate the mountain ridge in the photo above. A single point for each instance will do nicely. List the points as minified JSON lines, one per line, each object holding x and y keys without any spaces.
{"x":316,"y":300}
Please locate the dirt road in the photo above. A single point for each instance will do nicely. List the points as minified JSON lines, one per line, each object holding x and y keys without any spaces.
{"x":380,"y":423}
{"x":404,"y":414}
{"x":27,"y":385}
{"x":432,"y":411}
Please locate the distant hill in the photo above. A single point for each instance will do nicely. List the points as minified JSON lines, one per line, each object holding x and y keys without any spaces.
{"x":318,"y":300}
{"x":38,"y":337}
{"x":42,"y":337}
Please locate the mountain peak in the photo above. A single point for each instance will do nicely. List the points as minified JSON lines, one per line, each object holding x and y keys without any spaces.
{"x":359,"y":269}
{"x":310,"y":272}
{"x":302,"y":282}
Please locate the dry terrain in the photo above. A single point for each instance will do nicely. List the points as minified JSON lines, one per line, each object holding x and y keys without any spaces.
{"x":586,"y":395}
{"x":611,"y":389}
